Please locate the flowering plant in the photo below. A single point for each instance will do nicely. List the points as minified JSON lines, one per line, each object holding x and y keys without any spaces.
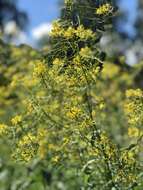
{"x":60,"y":138}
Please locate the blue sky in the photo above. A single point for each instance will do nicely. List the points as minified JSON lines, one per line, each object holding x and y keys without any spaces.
{"x":45,"y":11}
{"x":129,"y":6}
{"x":40,"y":11}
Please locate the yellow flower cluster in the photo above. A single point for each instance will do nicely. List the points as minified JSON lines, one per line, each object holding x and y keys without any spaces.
{"x":57,"y":29}
{"x":103,"y":9}
{"x":73,"y":113}
{"x":128,"y":157}
{"x":39,"y":69}
{"x":27,"y":139}
{"x":70,"y":32}
{"x":27,"y":154}
{"x":130,"y":109}
{"x":26,"y":147}
{"x":134,"y":93}
{"x":83,"y":33}
{"x":17,"y":119}
{"x":133,"y":106}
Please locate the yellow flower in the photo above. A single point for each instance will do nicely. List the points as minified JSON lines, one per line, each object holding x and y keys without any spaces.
{"x":27,"y":139}
{"x":3,"y":129}
{"x":17,"y":119}
{"x":134,"y":93}
{"x":133,"y":106}
{"x":26,"y":154}
{"x":103,"y":9}
{"x":133,"y":120}
{"x":27,"y":147}
{"x":83,"y":33}
{"x":133,"y":132}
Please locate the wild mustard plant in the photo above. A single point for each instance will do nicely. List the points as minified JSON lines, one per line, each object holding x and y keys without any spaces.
{"x":59,"y":136}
